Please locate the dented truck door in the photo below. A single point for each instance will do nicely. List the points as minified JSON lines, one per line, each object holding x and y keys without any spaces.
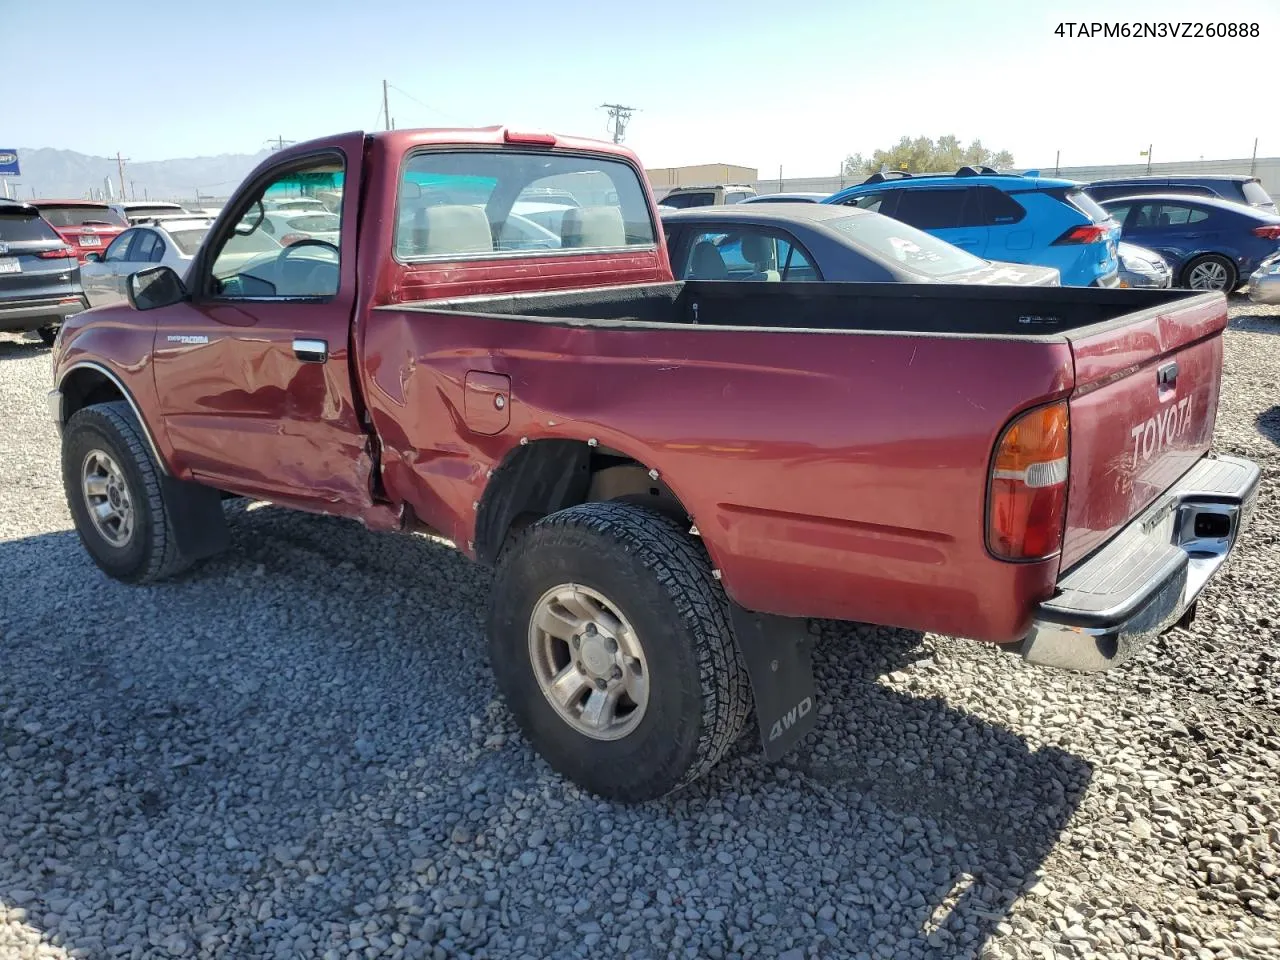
{"x":253,"y":372}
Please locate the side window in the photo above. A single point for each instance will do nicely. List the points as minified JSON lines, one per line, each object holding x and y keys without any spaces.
{"x":735,"y":196}
{"x":1177,"y":215}
{"x":866,"y":201}
{"x":144,"y":246}
{"x":931,"y":209}
{"x":1146,"y":215}
{"x":1119,"y":211}
{"x":119,"y":249}
{"x":682,"y":201}
{"x":268,"y":227}
{"x":250,"y":263}
{"x":1197,"y":215}
{"x":996,"y":208}
{"x":746,"y":254}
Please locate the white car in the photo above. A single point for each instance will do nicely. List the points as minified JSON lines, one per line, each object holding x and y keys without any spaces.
{"x":290,"y":226}
{"x":296,"y":205}
{"x":168,"y":242}
{"x":135,"y":210}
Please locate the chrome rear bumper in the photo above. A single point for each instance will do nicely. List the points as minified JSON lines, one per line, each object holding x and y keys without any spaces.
{"x":1146,"y":578}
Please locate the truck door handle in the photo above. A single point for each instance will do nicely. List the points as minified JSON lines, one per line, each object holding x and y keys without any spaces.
{"x":311,"y":351}
{"x":1167,"y":375}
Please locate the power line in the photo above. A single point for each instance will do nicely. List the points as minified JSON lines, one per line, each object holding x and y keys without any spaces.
{"x":619,"y":116}
{"x":423,"y":103}
{"x":280,"y":143}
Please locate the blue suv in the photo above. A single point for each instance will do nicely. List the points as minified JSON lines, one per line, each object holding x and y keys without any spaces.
{"x":1000,"y":216}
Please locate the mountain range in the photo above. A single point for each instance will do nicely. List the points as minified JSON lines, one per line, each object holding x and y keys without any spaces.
{"x":47,"y":172}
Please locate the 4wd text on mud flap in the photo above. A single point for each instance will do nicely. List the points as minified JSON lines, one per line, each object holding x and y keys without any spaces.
{"x":788,"y":719}
{"x":1160,"y":431}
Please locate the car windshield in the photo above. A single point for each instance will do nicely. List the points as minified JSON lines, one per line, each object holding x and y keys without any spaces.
{"x":1087,"y":205}
{"x":188,"y":241}
{"x":903,"y":244}
{"x":256,"y":242}
{"x":23,"y":228}
{"x":78,"y":214}
{"x":1255,"y":193}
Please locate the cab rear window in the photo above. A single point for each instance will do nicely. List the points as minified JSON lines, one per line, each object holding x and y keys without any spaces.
{"x":467,"y":204}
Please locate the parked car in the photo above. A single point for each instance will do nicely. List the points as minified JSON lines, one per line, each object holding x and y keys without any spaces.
{"x":669,"y":478}
{"x":39,"y":275}
{"x":815,"y":241}
{"x":296,"y":205}
{"x":1237,"y":189}
{"x":167,"y":241}
{"x":787,"y":198}
{"x":1264,"y":283}
{"x":683,"y":197}
{"x":84,"y":225}
{"x":134,"y":210}
{"x":1140,"y":267}
{"x":289,"y":226}
{"x":1210,"y":244}
{"x":1001,"y":216}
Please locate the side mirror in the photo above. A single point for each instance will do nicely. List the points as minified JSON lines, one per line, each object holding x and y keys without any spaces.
{"x":251,"y":220}
{"x":93,"y":258}
{"x":156,"y":287}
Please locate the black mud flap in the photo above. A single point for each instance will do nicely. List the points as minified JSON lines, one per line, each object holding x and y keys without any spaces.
{"x":198,"y":520}
{"x":779,"y":655}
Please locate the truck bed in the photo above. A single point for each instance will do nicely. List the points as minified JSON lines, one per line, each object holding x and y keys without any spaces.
{"x":939,"y":309}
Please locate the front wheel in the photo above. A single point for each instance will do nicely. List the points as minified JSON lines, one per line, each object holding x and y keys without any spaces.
{"x":1210,"y":272}
{"x":610,"y":640}
{"x":115,"y":495}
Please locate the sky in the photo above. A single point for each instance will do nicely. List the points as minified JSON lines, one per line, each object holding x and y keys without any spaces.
{"x":760,"y":84}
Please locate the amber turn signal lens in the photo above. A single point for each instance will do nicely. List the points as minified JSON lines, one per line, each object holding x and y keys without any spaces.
{"x":1027,"y":493}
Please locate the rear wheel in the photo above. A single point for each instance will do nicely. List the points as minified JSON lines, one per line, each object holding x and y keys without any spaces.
{"x":610,"y":639}
{"x":1210,"y":272}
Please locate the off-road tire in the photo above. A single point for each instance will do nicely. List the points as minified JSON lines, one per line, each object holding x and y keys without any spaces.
{"x":660,"y":578}
{"x":152,"y":552}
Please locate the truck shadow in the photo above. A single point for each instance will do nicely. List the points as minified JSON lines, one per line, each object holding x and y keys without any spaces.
{"x":1269,"y":424}
{"x":13,"y":347}
{"x":187,"y":711}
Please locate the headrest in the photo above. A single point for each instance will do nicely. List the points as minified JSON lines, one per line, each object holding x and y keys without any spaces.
{"x":756,"y":248}
{"x":451,"y":229}
{"x":592,"y":227}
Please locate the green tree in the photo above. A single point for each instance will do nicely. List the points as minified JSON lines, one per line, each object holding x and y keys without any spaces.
{"x":923,"y":155}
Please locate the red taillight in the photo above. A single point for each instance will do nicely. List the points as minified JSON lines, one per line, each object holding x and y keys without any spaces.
{"x":1270,"y":231}
{"x":290,"y":238}
{"x":59,"y":254}
{"x":1086,"y":233}
{"x":1027,"y":492}
{"x":542,"y":139}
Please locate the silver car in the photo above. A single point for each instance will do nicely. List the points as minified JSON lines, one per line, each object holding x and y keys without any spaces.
{"x":1264,"y":283}
{"x":1140,"y":267}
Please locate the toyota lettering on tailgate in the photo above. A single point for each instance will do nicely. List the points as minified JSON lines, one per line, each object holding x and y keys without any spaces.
{"x":1159,"y":432}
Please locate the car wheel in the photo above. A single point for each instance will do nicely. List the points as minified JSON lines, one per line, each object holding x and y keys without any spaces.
{"x":114,"y":492}
{"x":48,"y":334}
{"x":610,"y":639}
{"x":1210,"y":272}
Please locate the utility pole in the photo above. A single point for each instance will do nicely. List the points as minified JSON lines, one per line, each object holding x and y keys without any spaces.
{"x":1057,"y":167}
{"x":1253,"y":161}
{"x":280,"y":143}
{"x":120,"y":162}
{"x":1149,"y":146}
{"x":619,"y":116}
{"x":386,"y":110}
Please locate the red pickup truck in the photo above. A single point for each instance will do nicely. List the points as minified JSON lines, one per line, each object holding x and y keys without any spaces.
{"x":668,"y":477}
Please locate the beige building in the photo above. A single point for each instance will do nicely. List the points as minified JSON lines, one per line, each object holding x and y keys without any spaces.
{"x":663,"y":179}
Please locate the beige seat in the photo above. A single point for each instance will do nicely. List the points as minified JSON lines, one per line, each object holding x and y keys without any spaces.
{"x":592,"y":227}
{"x":450,"y":229}
{"x":759,"y":252}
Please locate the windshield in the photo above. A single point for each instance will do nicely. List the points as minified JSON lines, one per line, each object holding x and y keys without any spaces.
{"x":1087,"y":205}
{"x":903,"y":244}
{"x":1254,"y":193}
{"x":189,"y":241}
{"x":256,"y":242}
{"x":24,"y":229}
{"x":143,"y":210}
{"x":74,"y":216}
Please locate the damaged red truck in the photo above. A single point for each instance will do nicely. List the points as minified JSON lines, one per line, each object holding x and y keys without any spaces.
{"x":669,"y":478}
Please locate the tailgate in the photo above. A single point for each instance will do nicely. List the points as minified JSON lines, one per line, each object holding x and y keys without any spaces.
{"x":1142,"y":412}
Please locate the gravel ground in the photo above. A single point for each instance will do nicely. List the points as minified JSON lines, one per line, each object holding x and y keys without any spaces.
{"x":296,"y":751}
